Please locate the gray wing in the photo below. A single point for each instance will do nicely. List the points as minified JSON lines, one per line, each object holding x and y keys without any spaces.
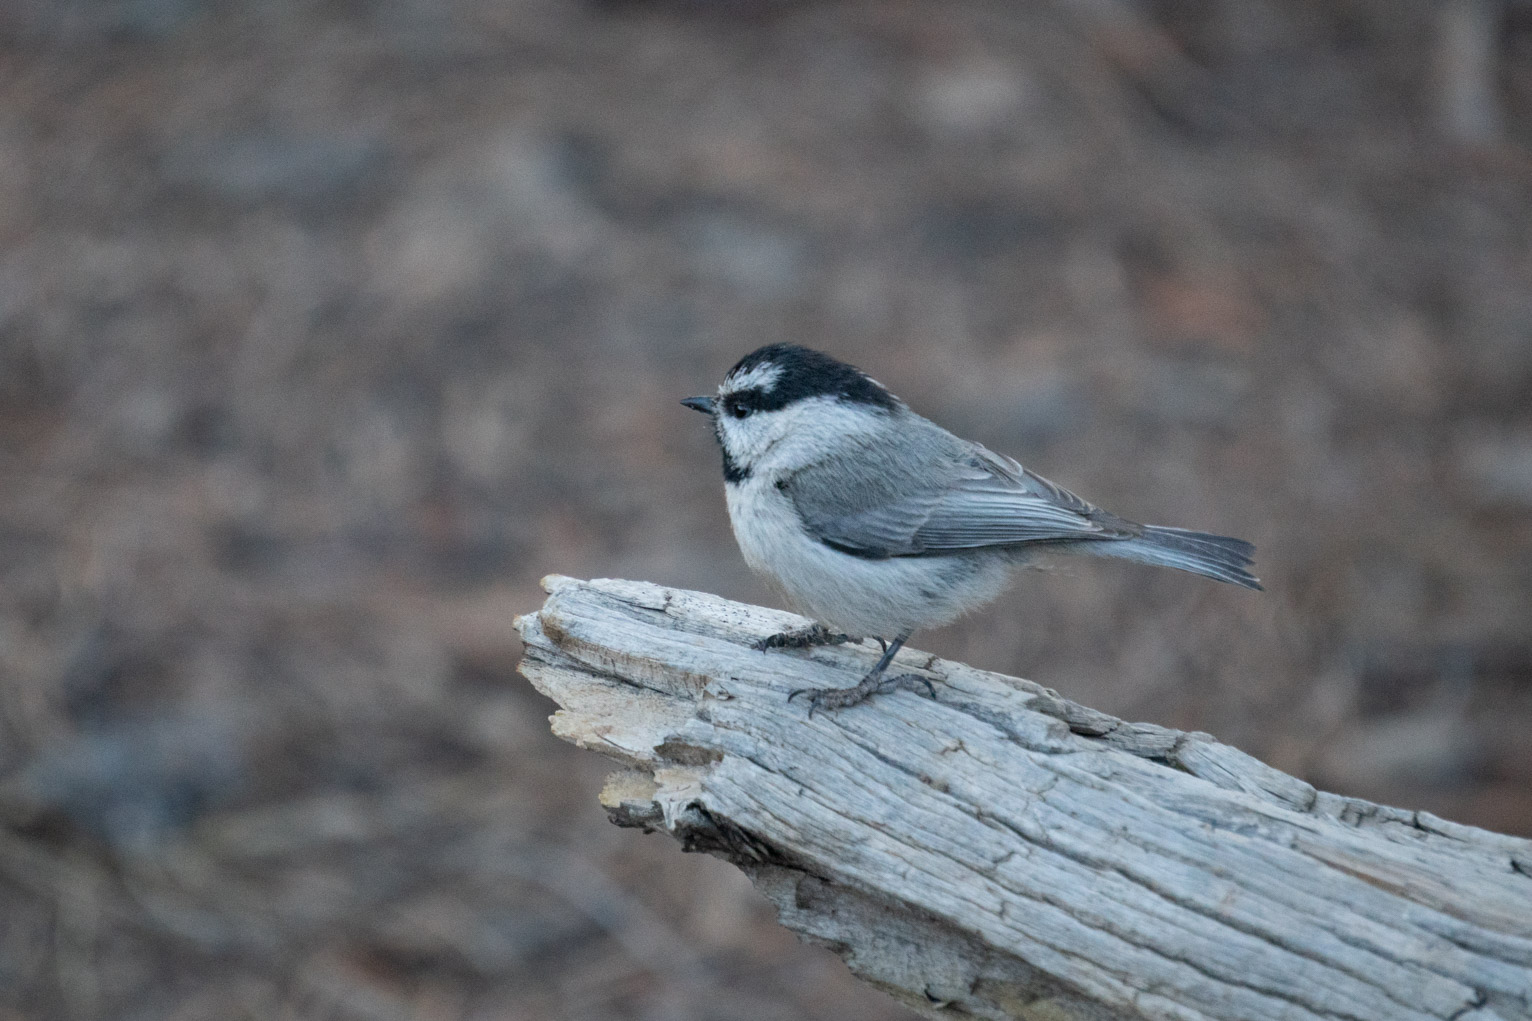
{"x":874,"y":504}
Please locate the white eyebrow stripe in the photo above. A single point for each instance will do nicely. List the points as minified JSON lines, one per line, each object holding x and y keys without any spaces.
{"x":763,"y":376}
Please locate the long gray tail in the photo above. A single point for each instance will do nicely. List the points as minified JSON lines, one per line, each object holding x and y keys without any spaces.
{"x":1213,"y":556}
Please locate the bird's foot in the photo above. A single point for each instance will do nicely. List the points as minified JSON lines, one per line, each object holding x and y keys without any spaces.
{"x":802,"y":638}
{"x":873,"y":684}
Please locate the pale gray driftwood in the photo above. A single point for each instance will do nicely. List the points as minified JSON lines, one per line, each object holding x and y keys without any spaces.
{"x":1001,"y":852}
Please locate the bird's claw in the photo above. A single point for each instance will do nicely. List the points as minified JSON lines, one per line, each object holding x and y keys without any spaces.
{"x":839,"y":698}
{"x":908,"y":683}
{"x":825,"y":698}
{"x":802,"y":638}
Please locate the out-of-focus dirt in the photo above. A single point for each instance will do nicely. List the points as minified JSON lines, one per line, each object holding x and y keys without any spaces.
{"x":325,"y":330}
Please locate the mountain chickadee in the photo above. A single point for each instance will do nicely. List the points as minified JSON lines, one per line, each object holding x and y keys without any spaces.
{"x":877,"y":522}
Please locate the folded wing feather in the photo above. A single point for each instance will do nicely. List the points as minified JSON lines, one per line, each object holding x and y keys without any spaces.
{"x":875,"y":506}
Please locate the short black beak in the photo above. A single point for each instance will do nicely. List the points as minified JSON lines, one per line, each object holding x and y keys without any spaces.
{"x":702,"y":404}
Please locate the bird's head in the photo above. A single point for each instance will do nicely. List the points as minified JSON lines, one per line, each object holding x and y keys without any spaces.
{"x":779,"y":401}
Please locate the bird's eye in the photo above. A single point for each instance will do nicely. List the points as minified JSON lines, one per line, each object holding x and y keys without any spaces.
{"x":736,"y":407}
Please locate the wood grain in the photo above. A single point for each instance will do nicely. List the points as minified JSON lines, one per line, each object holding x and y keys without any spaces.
{"x":1002,"y":852}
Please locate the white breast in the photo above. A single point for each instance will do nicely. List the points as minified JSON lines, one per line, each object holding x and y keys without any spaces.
{"x":868,"y":598}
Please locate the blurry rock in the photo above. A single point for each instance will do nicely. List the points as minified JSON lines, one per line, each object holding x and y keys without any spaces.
{"x":134,"y":782}
{"x":540,"y":185}
{"x":208,"y":429}
{"x":15,"y":211}
{"x":330,"y":170}
{"x":145,"y":418}
{"x":701,"y":8}
{"x":482,"y":206}
{"x":1432,"y":747}
{"x":84,"y":20}
{"x":1044,"y":408}
{"x":22,"y":548}
{"x":1388,"y":585}
{"x":977,"y":228}
{"x":1209,"y":313}
{"x":1025,"y":411}
{"x":1402,"y":365}
{"x":486,"y":936}
{"x":1185,"y":391}
{"x":729,"y":244}
{"x":971,"y":98}
{"x":431,"y":247}
{"x":1414,"y":727}
{"x":305,"y":563}
{"x":150,"y":19}
{"x":1497,"y":468}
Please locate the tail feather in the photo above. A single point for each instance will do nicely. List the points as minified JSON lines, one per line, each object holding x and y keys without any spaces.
{"x":1213,"y":556}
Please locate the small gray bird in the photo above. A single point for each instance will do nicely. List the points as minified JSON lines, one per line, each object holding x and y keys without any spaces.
{"x":877,"y":522}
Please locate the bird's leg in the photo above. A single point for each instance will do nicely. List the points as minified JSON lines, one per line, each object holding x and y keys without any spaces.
{"x":802,"y":638}
{"x":839,"y":698}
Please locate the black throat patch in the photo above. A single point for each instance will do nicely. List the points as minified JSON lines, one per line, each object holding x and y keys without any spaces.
{"x":733,"y":471}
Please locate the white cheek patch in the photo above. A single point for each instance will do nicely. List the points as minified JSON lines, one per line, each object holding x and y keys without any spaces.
{"x":761,"y":377}
{"x":797,"y":434}
{"x":747,"y":438}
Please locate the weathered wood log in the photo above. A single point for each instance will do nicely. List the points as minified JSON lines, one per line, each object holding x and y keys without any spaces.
{"x":1002,"y":852}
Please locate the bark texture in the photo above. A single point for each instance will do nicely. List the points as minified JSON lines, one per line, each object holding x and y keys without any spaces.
{"x":1002,"y":852}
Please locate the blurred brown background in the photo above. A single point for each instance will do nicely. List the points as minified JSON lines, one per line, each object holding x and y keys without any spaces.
{"x":327,"y":328}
